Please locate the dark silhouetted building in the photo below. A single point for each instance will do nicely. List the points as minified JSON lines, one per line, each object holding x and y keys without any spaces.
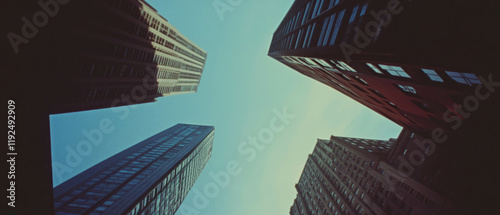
{"x":351,"y":176}
{"x":124,"y":53}
{"x":402,"y":59}
{"x":63,"y":56}
{"x":436,"y":169}
{"x":151,"y":177}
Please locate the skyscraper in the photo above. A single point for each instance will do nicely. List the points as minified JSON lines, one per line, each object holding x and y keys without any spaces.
{"x":151,"y":177}
{"x":351,"y":176}
{"x":124,"y":53}
{"x":402,"y":59}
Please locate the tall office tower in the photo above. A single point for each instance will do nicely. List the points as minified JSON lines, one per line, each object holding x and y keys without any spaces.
{"x":112,"y":53}
{"x":151,"y":177}
{"x":403,"y":59}
{"x":350,"y":176}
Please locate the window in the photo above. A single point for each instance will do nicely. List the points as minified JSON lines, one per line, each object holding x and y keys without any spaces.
{"x":323,"y":63}
{"x":317,"y":8}
{"x":101,"y":208}
{"x":353,"y":15}
{"x":464,"y":78}
{"x":361,"y":80}
{"x":329,"y":29}
{"x":432,"y":75}
{"x":299,"y":36}
{"x":343,"y":66}
{"x":304,"y":43}
{"x":408,"y":89}
{"x":421,"y":105}
{"x":376,"y":92}
{"x":323,"y":40}
{"x":363,"y":10}
{"x":359,"y":88}
{"x":345,"y":77}
{"x":374,"y":68}
{"x":323,"y":30}
{"x":337,"y":27}
{"x":375,"y":100}
{"x":311,"y":34}
{"x":349,"y":68}
{"x":395,"y":70}
{"x":306,"y":13}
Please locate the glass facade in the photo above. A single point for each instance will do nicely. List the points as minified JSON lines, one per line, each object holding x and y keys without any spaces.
{"x":154,"y":176}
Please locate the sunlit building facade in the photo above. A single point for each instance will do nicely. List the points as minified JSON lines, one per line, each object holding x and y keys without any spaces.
{"x":351,"y":176}
{"x":124,"y":53}
{"x":391,"y":56}
{"x":151,"y":177}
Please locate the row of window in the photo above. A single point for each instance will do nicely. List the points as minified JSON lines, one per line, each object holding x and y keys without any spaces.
{"x":460,"y":77}
{"x":161,"y":200}
{"x":325,"y":67}
{"x":347,"y":186}
{"x":158,"y":154}
{"x":156,"y":24}
{"x":312,"y":9}
{"x":118,"y":175}
{"x":149,"y":20}
{"x":111,"y":70}
{"x":370,"y":146}
{"x":146,"y":56}
{"x":330,"y":28}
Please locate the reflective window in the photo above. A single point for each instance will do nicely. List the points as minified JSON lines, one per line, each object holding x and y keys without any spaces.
{"x":343,"y":66}
{"x":323,"y":30}
{"x":374,"y":68}
{"x":363,"y":10}
{"x":306,"y":36}
{"x":337,"y":27}
{"x":306,"y":13}
{"x":432,"y":75}
{"x":408,"y":89}
{"x":333,"y":3}
{"x":321,"y":62}
{"x":361,"y":80}
{"x":311,"y":34}
{"x":464,"y":78}
{"x":329,"y":29}
{"x":395,"y":70}
{"x":353,"y":15}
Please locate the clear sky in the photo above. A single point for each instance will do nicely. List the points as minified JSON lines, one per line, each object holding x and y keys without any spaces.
{"x":240,"y":89}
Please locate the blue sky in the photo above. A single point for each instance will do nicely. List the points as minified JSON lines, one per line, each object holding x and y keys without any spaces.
{"x":240,"y":89}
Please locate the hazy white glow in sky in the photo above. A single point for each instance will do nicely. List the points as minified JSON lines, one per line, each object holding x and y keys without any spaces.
{"x":240,"y":89}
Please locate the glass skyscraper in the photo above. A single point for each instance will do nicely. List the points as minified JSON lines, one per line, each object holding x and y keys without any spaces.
{"x":151,"y":177}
